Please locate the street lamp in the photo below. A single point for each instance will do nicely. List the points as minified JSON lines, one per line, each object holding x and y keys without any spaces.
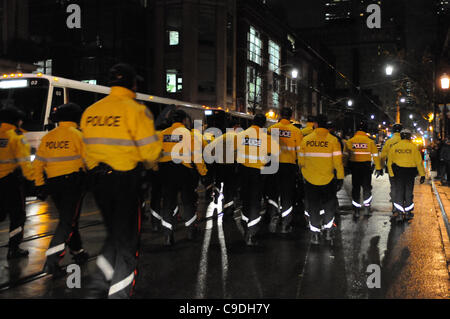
{"x":445,"y":81}
{"x":389,"y":70}
{"x":294,"y":73}
{"x":411,"y":116}
{"x":350,"y":103}
{"x":402,"y":100}
{"x":372,"y":117}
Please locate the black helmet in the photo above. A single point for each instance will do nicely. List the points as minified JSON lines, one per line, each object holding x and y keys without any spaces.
{"x":260,"y":120}
{"x":286,"y":112}
{"x":405,"y":134}
{"x":178,"y":116}
{"x":122,"y":75}
{"x":362,"y":126}
{"x":397,"y":128}
{"x":321,"y":120}
{"x":311,"y":119}
{"x":11,"y":115}
{"x":330,"y":125}
{"x":69,"y":112}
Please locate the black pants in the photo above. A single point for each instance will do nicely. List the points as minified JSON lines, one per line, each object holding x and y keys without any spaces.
{"x":227,"y":174}
{"x":67,"y":194}
{"x":12,"y":203}
{"x":404,"y":178}
{"x":252,"y":186}
{"x":283,"y":186}
{"x":117,"y":196}
{"x":321,"y":198}
{"x":177,"y":178}
{"x":155,"y":196}
{"x":361,"y":178}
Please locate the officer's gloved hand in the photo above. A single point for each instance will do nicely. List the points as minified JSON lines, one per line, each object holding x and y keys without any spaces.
{"x":422,"y":179}
{"x":42,"y":192}
{"x":379,"y":173}
{"x":339,"y":184}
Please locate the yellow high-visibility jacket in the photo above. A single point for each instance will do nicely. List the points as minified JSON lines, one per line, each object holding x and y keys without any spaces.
{"x":61,"y":152}
{"x":320,"y":156}
{"x":254,"y":147}
{"x":182,"y":146}
{"x":199,"y":136}
{"x":405,"y":154}
{"x":119,"y":132}
{"x":387,"y":147}
{"x":308,"y":129}
{"x":224,"y":148}
{"x":290,"y":138}
{"x":360,"y":148}
{"x":14,"y":152}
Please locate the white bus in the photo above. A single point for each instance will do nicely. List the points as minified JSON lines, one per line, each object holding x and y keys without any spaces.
{"x":37,"y":94}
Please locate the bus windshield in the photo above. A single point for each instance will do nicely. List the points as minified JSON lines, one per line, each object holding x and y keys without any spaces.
{"x":28,"y":95}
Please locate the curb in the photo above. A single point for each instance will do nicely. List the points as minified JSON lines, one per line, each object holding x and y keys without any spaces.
{"x":444,"y":226}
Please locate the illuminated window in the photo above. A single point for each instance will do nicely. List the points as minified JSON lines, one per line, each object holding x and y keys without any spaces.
{"x":44,"y":67}
{"x":254,"y":83}
{"x":174,"y":38}
{"x":274,"y":57}
{"x":174,"y":81}
{"x":254,"y":46}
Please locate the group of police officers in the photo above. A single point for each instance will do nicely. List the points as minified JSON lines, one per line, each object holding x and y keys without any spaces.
{"x":112,"y":148}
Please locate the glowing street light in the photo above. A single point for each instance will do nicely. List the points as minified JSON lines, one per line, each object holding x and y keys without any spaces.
{"x":294,"y":73}
{"x":402,"y":100}
{"x":372,"y":117}
{"x":445,"y":81}
{"x":411,"y":116}
{"x":389,"y":70}
{"x":350,"y":103}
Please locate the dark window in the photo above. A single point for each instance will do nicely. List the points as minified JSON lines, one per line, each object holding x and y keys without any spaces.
{"x":83,"y":98}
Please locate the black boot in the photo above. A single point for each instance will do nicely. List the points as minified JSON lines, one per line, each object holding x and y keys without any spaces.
{"x":328,"y":234}
{"x":192,"y":232}
{"x":14,"y":253}
{"x":367,"y":211}
{"x":400,"y":217}
{"x":355,"y":212}
{"x":315,"y":238}
{"x":80,"y":257}
{"x":409,"y":215}
{"x":286,"y":228}
{"x":250,"y":240}
{"x":273,"y":224}
{"x":168,"y":239}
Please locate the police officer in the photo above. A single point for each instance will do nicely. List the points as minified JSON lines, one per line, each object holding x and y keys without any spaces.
{"x":224,"y":151}
{"x":311,"y":124}
{"x":180,"y":150}
{"x":359,"y":151}
{"x":320,"y":156}
{"x":14,"y":166}
{"x":61,"y":156}
{"x":404,"y":162}
{"x":119,"y":135}
{"x":397,"y":128}
{"x":254,"y":152}
{"x":283,"y":187}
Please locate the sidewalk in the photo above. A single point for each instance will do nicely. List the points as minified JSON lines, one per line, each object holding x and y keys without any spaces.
{"x":441,"y":200}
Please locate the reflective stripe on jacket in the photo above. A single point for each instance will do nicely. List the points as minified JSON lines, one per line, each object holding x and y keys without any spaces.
{"x":14,"y":152}
{"x":360,"y":148}
{"x":320,"y":157}
{"x":61,"y":152}
{"x":405,"y":154}
{"x":180,"y":145}
{"x":119,"y":132}
{"x":290,"y":139}
{"x":255,"y":146}
{"x":387,"y":146}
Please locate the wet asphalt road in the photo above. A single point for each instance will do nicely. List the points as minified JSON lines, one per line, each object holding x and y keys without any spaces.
{"x":217,"y":265}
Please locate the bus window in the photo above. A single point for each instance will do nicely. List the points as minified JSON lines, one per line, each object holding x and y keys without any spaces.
{"x":83,"y":98}
{"x":28,"y":95}
{"x":57,"y":97}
